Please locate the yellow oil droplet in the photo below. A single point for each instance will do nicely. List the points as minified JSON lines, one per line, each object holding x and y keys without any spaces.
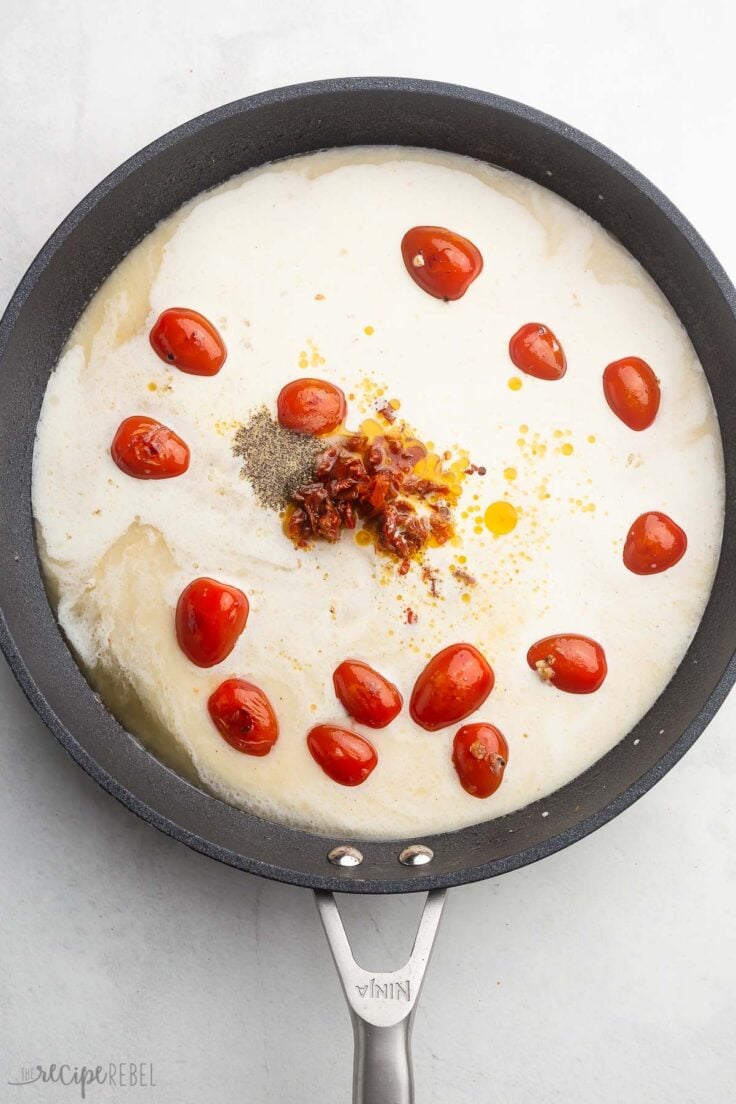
{"x":520,"y":442}
{"x":523,"y":429}
{"x":500,"y":518}
{"x":368,"y":330}
{"x":462,"y":559}
{"x":567,"y":449}
{"x":515,"y":384}
{"x":362,"y":537}
{"x":313,"y":707}
{"x":509,"y":474}
{"x":152,"y":386}
{"x":394,"y":404}
{"x":557,"y":433}
{"x":591,"y":439}
{"x":465,"y":597}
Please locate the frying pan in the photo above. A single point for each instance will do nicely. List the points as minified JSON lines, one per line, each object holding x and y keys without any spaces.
{"x":71,"y":266}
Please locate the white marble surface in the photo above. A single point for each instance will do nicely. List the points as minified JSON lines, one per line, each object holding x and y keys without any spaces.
{"x":605,"y":974}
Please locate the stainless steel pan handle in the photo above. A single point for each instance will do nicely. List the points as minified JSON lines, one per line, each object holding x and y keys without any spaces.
{"x":381,"y":1005}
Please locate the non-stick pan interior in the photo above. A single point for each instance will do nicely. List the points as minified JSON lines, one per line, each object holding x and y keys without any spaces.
{"x":119,"y":213}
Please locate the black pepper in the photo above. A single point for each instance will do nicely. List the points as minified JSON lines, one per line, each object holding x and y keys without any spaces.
{"x":276,"y":461}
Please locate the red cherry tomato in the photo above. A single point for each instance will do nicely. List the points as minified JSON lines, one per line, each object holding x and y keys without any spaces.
{"x":453,"y":685}
{"x":244,"y":717}
{"x":575,"y":664}
{"x":534,"y":349}
{"x":146,"y":449}
{"x":654,"y":543}
{"x":344,"y":756}
{"x":442,"y":263}
{"x":210,"y":616}
{"x":369,"y":698}
{"x":480,"y":754}
{"x":311,"y":406}
{"x":632,"y":392}
{"x":189,"y":341}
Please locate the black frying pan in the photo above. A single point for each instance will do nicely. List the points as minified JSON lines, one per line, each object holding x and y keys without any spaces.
{"x":67,"y":271}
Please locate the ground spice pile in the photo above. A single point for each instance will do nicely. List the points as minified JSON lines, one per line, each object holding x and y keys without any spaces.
{"x":276,"y":461}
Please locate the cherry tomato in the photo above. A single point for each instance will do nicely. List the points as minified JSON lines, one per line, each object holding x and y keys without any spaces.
{"x":654,"y":543}
{"x":442,"y":263}
{"x":480,"y":754}
{"x":189,"y":341}
{"x":146,"y":449}
{"x":244,"y":717}
{"x":210,"y":616}
{"x":534,"y":349}
{"x":575,"y":664}
{"x":311,"y":406}
{"x":454,"y":684}
{"x":632,"y":392}
{"x":344,"y":756}
{"x":369,"y":698}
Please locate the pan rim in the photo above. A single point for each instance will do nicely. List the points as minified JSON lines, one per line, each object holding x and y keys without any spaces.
{"x":334,"y":878}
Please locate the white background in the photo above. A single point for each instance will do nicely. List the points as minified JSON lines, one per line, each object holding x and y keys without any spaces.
{"x":605,"y":974}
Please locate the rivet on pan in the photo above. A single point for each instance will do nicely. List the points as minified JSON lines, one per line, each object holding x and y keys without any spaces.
{"x":345,"y":856}
{"x":416,"y":855}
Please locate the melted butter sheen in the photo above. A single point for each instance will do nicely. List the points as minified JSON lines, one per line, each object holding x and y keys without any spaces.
{"x":299,"y":274}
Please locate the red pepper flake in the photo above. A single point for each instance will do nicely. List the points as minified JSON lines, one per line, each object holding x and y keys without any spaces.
{"x":462,"y":575}
{"x":411,"y":616}
{"x":475,"y":470}
{"x":430,"y":576}
{"x":387,"y":411}
{"x":404,"y":567}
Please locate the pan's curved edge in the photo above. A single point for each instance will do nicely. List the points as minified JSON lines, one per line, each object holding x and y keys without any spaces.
{"x":350,"y":880}
{"x":349,"y":85}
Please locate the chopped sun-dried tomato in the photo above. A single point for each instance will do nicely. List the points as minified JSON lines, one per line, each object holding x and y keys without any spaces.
{"x":373,"y":480}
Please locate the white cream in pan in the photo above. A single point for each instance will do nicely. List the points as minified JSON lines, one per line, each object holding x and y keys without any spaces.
{"x":298,"y":265}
